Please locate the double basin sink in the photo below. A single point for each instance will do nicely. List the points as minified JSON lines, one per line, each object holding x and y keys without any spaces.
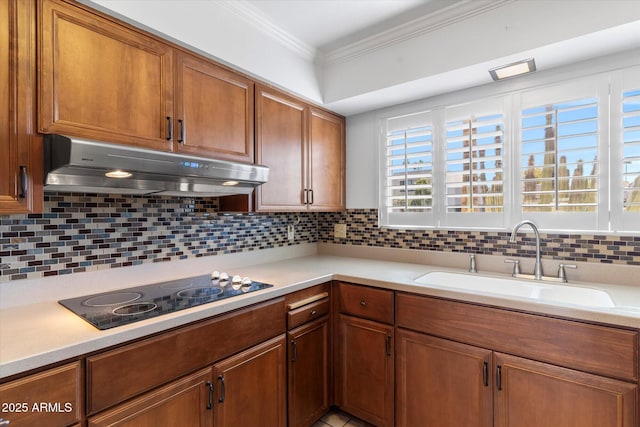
{"x":535,"y":290}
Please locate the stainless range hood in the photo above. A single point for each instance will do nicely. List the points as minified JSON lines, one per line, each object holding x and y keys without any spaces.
{"x":78,"y":165}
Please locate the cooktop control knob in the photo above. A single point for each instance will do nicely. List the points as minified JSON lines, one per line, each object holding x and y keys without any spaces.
{"x":236,"y":279}
{"x":215,"y":275}
{"x":246,"y":281}
{"x":224,"y":277}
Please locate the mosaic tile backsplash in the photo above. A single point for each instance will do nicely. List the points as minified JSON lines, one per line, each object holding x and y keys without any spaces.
{"x":362,"y":229}
{"x":81,"y":232}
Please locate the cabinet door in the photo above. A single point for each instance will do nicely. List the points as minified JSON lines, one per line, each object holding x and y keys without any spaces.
{"x":308,"y":372}
{"x":441,"y":383}
{"x":214,"y":111}
{"x":251,"y":387}
{"x":533,"y":394}
{"x":20,"y":162}
{"x":184,"y":402}
{"x":101,"y":79}
{"x":365,"y":370}
{"x":326,"y":161}
{"x":49,"y":398}
{"x":280,"y":145}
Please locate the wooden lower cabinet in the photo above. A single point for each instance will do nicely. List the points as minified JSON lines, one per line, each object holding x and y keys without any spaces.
{"x":308,"y":372}
{"x":251,"y":387}
{"x":442,"y":383}
{"x":448,"y":384}
{"x":455,"y":358}
{"x":184,"y":402}
{"x":49,"y":398}
{"x":533,"y":394}
{"x":365,"y":370}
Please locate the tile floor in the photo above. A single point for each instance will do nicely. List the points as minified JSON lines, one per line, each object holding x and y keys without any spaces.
{"x":336,"y":418}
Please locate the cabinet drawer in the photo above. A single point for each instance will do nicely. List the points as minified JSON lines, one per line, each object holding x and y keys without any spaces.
{"x":117,"y":375}
{"x":307,"y":312}
{"x":592,"y":348}
{"x":369,"y":303}
{"x":49,"y":398}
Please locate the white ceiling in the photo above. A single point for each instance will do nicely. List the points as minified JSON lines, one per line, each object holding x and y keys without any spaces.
{"x":359,"y":55}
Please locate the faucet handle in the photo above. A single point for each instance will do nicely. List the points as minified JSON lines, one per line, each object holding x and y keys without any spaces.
{"x":516,"y":266}
{"x":472,"y":264}
{"x":562,"y":274}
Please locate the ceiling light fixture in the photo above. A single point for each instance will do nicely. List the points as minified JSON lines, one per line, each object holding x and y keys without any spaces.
{"x":513,"y":70}
{"x":118,"y":174}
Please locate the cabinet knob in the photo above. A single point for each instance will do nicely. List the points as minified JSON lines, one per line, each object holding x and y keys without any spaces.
{"x":313,"y":312}
{"x":363,"y":303}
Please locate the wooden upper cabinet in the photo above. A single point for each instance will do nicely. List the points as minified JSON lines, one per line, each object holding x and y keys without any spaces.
{"x":304,"y":148}
{"x":100,"y":79}
{"x":281,"y":131}
{"x":21,"y":160}
{"x":214,"y":110}
{"x":326,"y":161}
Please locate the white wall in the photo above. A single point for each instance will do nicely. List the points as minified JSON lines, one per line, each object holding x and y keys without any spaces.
{"x":362,"y":158}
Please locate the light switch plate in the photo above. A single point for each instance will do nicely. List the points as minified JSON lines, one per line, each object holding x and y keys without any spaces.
{"x":340,"y":231}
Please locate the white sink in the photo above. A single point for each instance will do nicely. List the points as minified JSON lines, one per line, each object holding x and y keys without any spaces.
{"x":540,"y":291}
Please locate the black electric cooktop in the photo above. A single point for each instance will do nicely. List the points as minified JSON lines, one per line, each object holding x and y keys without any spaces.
{"x":110,"y":309}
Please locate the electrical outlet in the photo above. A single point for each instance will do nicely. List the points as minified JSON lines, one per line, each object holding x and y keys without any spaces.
{"x":340,"y":231}
{"x":291,"y":232}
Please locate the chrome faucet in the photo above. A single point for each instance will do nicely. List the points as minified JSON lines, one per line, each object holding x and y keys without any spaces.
{"x":537,"y":270}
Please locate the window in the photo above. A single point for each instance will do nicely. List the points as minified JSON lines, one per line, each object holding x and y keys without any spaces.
{"x":560,"y":156}
{"x":473,"y":175}
{"x":564,"y":155}
{"x":408,"y":170}
{"x":631,"y":150}
{"x":625,"y":156}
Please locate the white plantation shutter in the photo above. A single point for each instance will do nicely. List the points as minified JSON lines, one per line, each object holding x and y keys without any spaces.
{"x":561,"y":155}
{"x":407,"y":173}
{"x":625,"y":118}
{"x":474,"y":150}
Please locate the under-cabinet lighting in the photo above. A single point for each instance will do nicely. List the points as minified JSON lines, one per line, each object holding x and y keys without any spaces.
{"x":513,"y":70}
{"x":230,"y":183}
{"x":118,"y":174}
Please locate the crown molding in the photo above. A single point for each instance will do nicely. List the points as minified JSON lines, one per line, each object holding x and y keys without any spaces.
{"x":254,"y":17}
{"x":441,"y":18}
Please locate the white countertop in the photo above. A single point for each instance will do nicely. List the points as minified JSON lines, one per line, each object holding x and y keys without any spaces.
{"x":38,"y":333}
